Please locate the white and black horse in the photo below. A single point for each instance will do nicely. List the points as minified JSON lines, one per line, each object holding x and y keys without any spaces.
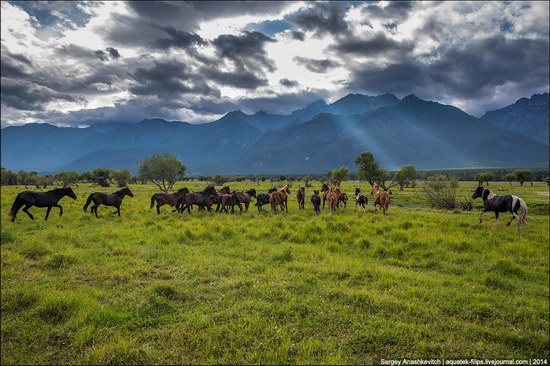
{"x":497,"y":204}
{"x":360,"y":199}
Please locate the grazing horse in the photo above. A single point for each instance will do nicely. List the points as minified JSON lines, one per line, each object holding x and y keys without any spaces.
{"x":316,"y":202}
{"x":381,"y":199}
{"x":202,"y":199}
{"x":360,"y":199}
{"x":242,"y":197}
{"x":332,"y":198}
{"x":162,"y":198}
{"x":114,"y":199}
{"x":280,"y":198}
{"x":497,"y":204}
{"x":40,"y":199}
{"x":263,"y":198}
{"x":301,"y":198}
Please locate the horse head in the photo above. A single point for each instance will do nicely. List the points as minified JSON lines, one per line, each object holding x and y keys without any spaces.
{"x":374,"y":188}
{"x":286,"y":189}
{"x":69,"y":192}
{"x":325,"y":188}
{"x":224,"y":190}
{"x":271,"y":190}
{"x":210,"y":190}
{"x":128,"y":192}
{"x":315,"y":192}
{"x":252,"y":192}
{"x":478,"y":192}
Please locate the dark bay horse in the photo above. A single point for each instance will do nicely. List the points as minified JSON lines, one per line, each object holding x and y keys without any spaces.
{"x":280,"y":198}
{"x":360,"y":199}
{"x":162,"y":198}
{"x":223,"y":199}
{"x":342,"y":197}
{"x":263,"y":198}
{"x":316,"y":202}
{"x":497,"y":204}
{"x":239,"y":198}
{"x":114,"y":199}
{"x":202,"y":199}
{"x":301,"y":197}
{"x":40,"y":199}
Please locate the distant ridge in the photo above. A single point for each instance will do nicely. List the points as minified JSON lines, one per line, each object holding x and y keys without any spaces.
{"x":316,"y":138}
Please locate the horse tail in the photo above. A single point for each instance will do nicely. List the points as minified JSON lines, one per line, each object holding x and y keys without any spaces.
{"x":88,"y":201}
{"x":523,"y":215}
{"x":17,"y":204}
{"x":153,"y":199}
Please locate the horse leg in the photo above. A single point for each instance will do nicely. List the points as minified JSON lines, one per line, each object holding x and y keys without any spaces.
{"x":481,"y":214}
{"x":26,"y":210}
{"x":94,"y":210}
{"x":514,"y":216}
{"x":246,"y":206}
{"x":118,"y":209}
{"x":60,"y":209}
{"x":48,"y":213}
{"x":158,"y":208}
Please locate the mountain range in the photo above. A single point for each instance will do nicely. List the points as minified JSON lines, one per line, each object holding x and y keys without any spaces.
{"x":314,"y":139}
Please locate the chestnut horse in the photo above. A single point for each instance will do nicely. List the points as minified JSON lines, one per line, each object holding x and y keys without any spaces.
{"x":280,"y":198}
{"x":381,"y":199}
{"x":162,"y":198}
{"x":332,"y":198}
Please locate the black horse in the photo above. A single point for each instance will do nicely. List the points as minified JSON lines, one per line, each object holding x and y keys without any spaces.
{"x":114,"y":199}
{"x":263,"y":198}
{"x":301,"y":197}
{"x":497,"y":204}
{"x":201,"y":199}
{"x":40,"y":199}
{"x":360,"y":199}
{"x":316,"y":202}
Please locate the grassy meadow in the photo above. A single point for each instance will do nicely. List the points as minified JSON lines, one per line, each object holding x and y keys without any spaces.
{"x":349,"y":287}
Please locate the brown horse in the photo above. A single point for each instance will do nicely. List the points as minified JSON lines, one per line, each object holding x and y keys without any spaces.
{"x":325,"y":189}
{"x":244,"y":198}
{"x":342,"y":197}
{"x":301,"y":198}
{"x":223,"y":198}
{"x":201,"y":199}
{"x":162,"y":198}
{"x":381,"y":199}
{"x":280,"y":198}
{"x":332,"y":198}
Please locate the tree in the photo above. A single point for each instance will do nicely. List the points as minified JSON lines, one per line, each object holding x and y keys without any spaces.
{"x":307,"y":179}
{"x":524,"y":175}
{"x":219,"y":179}
{"x":338,"y":175}
{"x":101,"y":176}
{"x":8,"y":177}
{"x":67,"y":178}
{"x":440,"y":192}
{"x":162,"y":169}
{"x":367,"y":168}
{"x":282,"y":178}
{"x":121,"y":177}
{"x":510,"y":177}
{"x":485,"y":177}
{"x":405,"y":176}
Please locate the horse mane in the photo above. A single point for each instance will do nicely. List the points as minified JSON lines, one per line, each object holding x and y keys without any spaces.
{"x":119,"y":192}
{"x":487,"y":194}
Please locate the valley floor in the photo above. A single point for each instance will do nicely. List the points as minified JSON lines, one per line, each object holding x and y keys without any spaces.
{"x":349,"y":287}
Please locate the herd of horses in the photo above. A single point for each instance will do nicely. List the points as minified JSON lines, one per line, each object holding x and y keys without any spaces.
{"x":225,"y":200}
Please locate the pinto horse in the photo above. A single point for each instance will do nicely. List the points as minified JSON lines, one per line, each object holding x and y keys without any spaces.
{"x":202,"y":199}
{"x":114,"y":199}
{"x":497,"y":204}
{"x":263,"y":198}
{"x":40,"y":199}
{"x":280,"y":198}
{"x":301,"y":198}
{"x":381,"y":199}
{"x":162,"y":198}
{"x":360,"y":199}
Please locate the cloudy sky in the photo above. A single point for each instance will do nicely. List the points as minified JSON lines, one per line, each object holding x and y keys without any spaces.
{"x":78,"y":63}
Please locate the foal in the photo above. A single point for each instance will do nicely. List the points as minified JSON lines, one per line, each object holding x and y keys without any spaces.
{"x":497,"y":204}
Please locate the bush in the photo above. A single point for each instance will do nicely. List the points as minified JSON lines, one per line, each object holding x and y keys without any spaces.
{"x":440,"y":192}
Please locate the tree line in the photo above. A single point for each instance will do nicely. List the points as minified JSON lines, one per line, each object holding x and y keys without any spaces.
{"x":164,"y":170}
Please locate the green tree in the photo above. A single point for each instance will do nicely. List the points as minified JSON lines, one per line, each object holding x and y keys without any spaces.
{"x":307,"y":180}
{"x":162,"y":169}
{"x":485,"y":177}
{"x":367,"y":168}
{"x":440,"y":192}
{"x":340,"y":174}
{"x":219,"y":179}
{"x":101,"y":176}
{"x":524,"y":175}
{"x":8,"y":177}
{"x":405,"y":176}
{"x":67,"y":178}
{"x":121,"y":177}
{"x":510,"y":177}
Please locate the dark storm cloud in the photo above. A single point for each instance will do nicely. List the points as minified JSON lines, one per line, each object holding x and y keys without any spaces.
{"x":313,"y":65}
{"x":27,"y":96}
{"x":297,"y":35}
{"x":280,"y":103}
{"x":168,"y":79}
{"x":110,"y":53}
{"x":321,"y":18}
{"x":288,"y":83}
{"x":131,"y":31}
{"x":393,"y":78}
{"x":393,"y":10}
{"x":481,"y":65}
{"x":14,"y":65}
{"x":378,"y":44}
{"x":245,"y":50}
{"x":177,"y":39}
{"x":240,"y":79}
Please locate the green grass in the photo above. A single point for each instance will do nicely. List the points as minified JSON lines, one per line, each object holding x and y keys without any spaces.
{"x":348,"y":287}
